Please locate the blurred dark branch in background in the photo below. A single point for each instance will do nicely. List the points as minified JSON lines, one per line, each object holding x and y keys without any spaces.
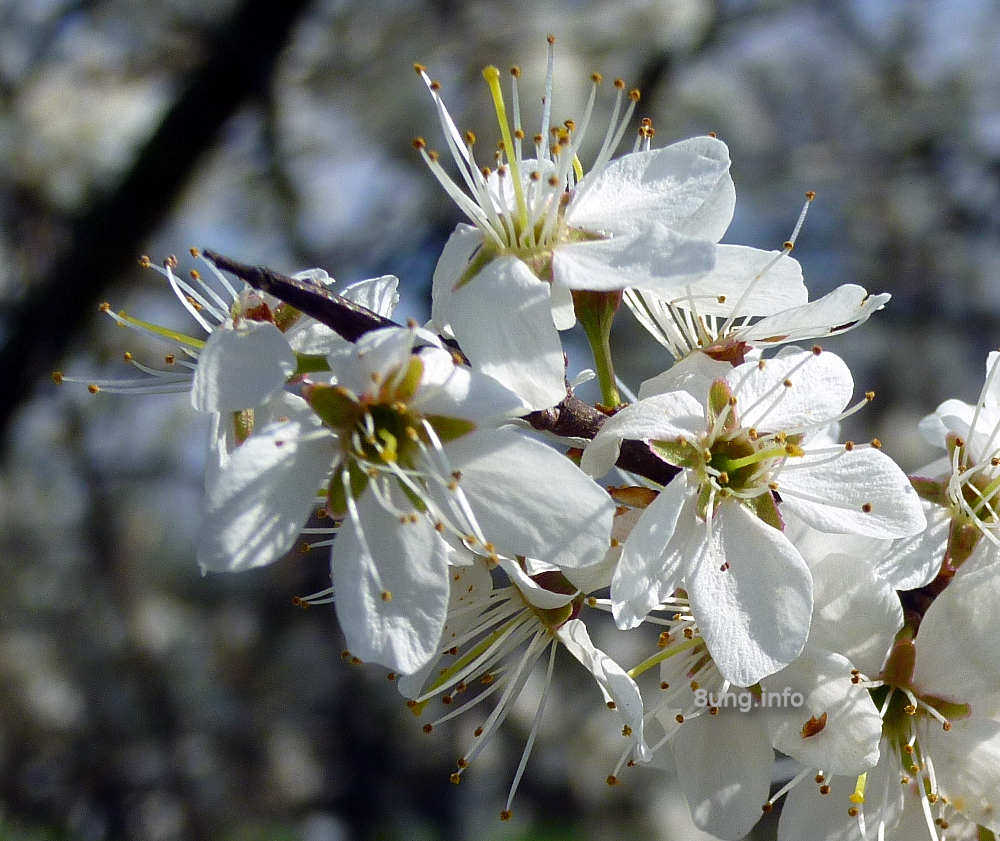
{"x":107,"y":236}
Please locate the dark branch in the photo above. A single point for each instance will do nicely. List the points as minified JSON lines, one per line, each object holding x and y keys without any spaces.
{"x":572,"y":418}
{"x":346,"y":318}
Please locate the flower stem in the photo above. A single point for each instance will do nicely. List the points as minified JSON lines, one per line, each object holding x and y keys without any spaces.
{"x":596,"y":311}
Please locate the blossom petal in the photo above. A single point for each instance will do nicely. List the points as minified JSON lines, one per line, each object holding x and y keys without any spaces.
{"x":725,"y":770}
{"x":531,"y":500}
{"x":615,"y":684}
{"x":915,"y":561}
{"x":754,"y":615}
{"x":502,"y":319}
{"x":733,"y":287}
{"x":821,"y":386}
{"x":807,"y":814}
{"x":467,"y":585}
{"x":967,"y":766}
{"x":663,"y":417}
{"x":654,"y":257}
{"x":860,"y":491}
{"x":655,"y":555}
{"x":259,"y":503}
{"x":458,"y":392}
{"x":686,"y":186}
{"x":957,"y":654}
{"x":856,"y":612}
{"x":848,"y":743}
{"x":240,"y":368}
{"x":377,"y":555}
{"x":843,"y":309}
{"x":463,"y":243}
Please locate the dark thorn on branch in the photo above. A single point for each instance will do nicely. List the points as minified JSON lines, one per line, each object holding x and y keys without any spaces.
{"x":344,"y":317}
{"x":571,"y":418}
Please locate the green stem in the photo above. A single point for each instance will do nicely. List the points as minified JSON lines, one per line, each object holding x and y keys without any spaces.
{"x":596,"y":312}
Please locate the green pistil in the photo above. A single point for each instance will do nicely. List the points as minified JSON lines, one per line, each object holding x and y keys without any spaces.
{"x":667,"y":652}
{"x":492,"y":77}
{"x":731,"y":465}
{"x":173,"y":335}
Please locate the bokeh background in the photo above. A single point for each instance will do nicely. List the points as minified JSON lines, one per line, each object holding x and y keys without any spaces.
{"x":139,"y":700}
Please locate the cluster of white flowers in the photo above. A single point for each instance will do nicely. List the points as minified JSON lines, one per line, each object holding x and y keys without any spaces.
{"x":810,"y":598}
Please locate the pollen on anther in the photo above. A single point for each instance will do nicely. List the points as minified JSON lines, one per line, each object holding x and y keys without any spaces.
{"x":620,"y":84}
{"x":505,"y":815}
{"x":867,"y":508}
{"x":626,"y":730}
{"x":664,"y":685}
{"x":766,"y":807}
{"x":679,"y":718}
{"x":761,"y":365}
{"x":817,"y":350}
{"x":104,"y":307}
{"x":477,"y":732}
{"x":455,"y":778}
{"x":611,"y":705}
{"x":849,"y":446}
{"x":787,"y":383}
{"x":387,"y":595}
{"x":876,"y":443}
{"x":57,"y":377}
{"x":824,"y":789}
{"x":428,"y":727}
{"x":612,"y":780}
{"x":664,"y":640}
{"x":463,"y":763}
{"x":145,"y":262}
{"x":853,"y":812}
{"x":93,"y":388}
{"x":869,"y":396}
{"x":170,"y":359}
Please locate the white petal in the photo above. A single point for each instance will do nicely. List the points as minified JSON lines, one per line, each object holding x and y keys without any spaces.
{"x":848,"y":743}
{"x":686,"y":186}
{"x":409,"y":560}
{"x":262,"y":499}
{"x":655,"y":555}
{"x":563,"y":311}
{"x":693,"y":374}
{"x":843,"y":309}
{"x":240,"y":368}
{"x":467,"y":585}
{"x":531,"y":500}
{"x":856,"y":613}
{"x":754,"y":616}
{"x":915,"y":561}
{"x":533,"y":592}
{"x":457,"y":392}
{"x":967,"y":765}
{"x":614,"y":682}
{"x":861,"y":491}
{"x":734,"y":279}
{"x":807,"y":815}
{"x":653,"y":257}
{"x":379,"y":294}
{"x":363,"y":366}
{"x":957,"y":653}
{"x":463,"y":243}
{"x":663,"y":417}
{"x":502,"y":319}
{"x":724,"y":763}
{"x":820,"y":390}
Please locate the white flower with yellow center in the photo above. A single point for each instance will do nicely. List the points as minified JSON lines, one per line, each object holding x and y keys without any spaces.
{"x":409,"y":440}
{"x":542,"y":228}
{"x":754,"y":447}
{"x":940,"y":751}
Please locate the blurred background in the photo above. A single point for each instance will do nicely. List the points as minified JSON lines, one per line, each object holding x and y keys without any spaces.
{"x":142,"y":701}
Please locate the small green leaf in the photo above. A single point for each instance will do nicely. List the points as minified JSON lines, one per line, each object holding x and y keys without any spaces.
{"x":448,"y":429}
{"x":766,"y":509}
{"x":333,"y":404}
